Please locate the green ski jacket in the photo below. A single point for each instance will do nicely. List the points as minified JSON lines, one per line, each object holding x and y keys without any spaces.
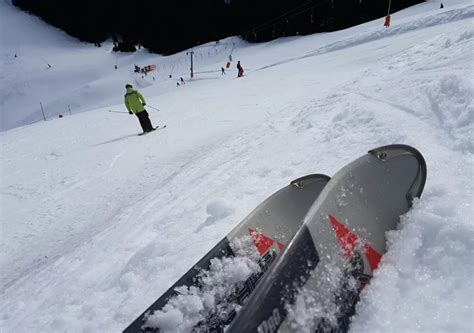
{"x":134,"y":101}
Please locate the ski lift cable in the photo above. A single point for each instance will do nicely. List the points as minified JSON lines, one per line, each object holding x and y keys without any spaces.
{"x":306,"y":10}
{"x":172,"y":68}
{"x":278,"y":18}
{"x":284,"y":17}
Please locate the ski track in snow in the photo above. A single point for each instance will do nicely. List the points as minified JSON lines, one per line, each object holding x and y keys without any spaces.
{"x":97,"y":223}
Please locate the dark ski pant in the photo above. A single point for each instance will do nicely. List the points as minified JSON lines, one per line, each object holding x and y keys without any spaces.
{"x":145,"y":121}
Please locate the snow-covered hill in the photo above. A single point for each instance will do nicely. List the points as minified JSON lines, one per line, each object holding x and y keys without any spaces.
{"x":96,"y":222}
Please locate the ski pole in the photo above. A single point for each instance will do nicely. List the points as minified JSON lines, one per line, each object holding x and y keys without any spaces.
{"x":117,"y":111}
{"x":153,"y":107}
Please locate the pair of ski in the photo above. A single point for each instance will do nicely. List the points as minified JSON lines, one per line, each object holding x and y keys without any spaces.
{"x":154,"y":129}
{"x":318,"y":240}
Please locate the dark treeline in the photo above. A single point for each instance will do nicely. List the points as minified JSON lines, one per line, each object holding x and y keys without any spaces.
{"x":167,"y":27}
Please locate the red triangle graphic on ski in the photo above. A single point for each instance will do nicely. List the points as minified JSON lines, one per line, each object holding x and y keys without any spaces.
{"x":262,"y":242}
{"x":344,"y":236}
{"x":373,"y":257}
{"x":348,"y":241}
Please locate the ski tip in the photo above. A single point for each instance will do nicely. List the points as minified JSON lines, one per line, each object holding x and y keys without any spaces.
{"x":388,"y":152}
{"x":306,"y":180}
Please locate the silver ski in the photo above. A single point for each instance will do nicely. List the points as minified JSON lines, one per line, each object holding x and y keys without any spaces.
{"x":340,"y":244}
{"x":272,"y":225}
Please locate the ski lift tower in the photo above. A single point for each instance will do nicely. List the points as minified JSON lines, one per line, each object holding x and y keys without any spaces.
{"x":191,"y":53}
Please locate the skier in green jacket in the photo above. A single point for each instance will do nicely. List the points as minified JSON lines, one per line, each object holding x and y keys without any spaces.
{"x":135,"y":104}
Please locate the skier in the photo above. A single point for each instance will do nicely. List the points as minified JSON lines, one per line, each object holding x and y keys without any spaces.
{"x":240,"y":69}
{"x":135,"y":103}
{"x":182,"y":80}
{"x":222,"y":71}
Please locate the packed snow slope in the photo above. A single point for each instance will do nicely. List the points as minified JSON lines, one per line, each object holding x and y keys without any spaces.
{"x":42,"y":68}
{"x":97,"y":222}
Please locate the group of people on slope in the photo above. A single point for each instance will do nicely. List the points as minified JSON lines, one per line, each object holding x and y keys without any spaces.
{"x":135,"y":103}
{"x":240,"y":70}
